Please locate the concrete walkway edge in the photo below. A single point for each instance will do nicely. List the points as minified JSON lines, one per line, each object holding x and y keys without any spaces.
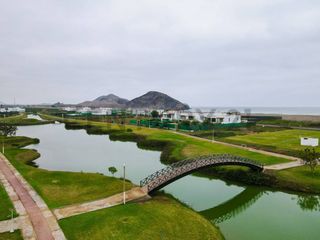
{"x":134,"y":194}
{"x":24,"y":221}
{"x":45,"y":211}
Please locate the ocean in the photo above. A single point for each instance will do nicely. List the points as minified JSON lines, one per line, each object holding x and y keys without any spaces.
{"x":263,"y":110}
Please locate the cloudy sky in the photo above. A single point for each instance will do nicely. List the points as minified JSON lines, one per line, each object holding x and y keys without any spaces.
{"x":204,"y":52}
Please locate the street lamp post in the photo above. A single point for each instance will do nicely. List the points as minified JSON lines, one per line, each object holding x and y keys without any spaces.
{"x":212,"y":135}
{"x":3,"y":138}
{"x":124,"y":183}
{"x":3,"y":144}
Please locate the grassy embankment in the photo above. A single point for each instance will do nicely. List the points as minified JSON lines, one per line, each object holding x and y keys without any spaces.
{"x":59,"y":188}
{"x":22,"y":120}
{"x":175,"y":147}
{"x":158,"y":218}
{"x":284,"y":141}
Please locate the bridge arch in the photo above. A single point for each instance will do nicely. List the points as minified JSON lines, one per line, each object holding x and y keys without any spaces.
{"x":180,"y":169}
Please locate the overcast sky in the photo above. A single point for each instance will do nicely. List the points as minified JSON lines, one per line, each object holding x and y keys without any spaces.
{"x":203,"y":52}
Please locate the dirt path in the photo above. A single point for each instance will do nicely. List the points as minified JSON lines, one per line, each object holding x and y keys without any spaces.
{"x":44,"y":224}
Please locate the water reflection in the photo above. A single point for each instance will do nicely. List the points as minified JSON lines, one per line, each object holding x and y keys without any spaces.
{"x":234,"y":206}
{"x":309,"y":202}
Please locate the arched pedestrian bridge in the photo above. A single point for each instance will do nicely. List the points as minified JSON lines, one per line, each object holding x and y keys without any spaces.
{"x":180,"y":169}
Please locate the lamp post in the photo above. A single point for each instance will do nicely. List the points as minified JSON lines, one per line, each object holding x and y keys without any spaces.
{"x":124,"y":183}
{"x":3,"y":137}
{"x":212,"y":135}
{"x":3,"y":144}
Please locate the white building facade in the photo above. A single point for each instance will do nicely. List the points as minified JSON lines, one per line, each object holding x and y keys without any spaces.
{"x":218,"y":118}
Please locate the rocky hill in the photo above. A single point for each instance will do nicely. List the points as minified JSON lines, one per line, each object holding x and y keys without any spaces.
{"x":156,"y":100}
{"x":110,"y":100}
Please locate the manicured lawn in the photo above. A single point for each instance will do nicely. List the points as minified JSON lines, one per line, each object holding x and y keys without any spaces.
{"x":5,"y":205}
{"x":302,"y":177}
{"x":22,"y":120}
{"x":286,"y":140}
{"x":16,"y":235}
{"x":159,"y":218}
{"x":63,"y":188}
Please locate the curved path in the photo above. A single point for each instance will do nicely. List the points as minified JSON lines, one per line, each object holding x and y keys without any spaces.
{"x":43,"y":222}
{"x":241,"y":147}
{"x":294,"y":161}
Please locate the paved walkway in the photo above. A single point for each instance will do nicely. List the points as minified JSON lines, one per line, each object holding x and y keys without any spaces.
{"x":8,"y":225}
{"x":282,"y":166}
{"x":24,"y":221}
{"x":134,"y":194}
{"x":44,"y":224}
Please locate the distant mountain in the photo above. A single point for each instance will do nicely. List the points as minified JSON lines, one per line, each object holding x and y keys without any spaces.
{"x":58,"y":104}
{"x":110,"y":100}
{"x":156,"y":100}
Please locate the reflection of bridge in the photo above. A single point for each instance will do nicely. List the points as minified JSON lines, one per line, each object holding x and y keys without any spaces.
{"x":233,"y":206}
{"x":180,"y":169}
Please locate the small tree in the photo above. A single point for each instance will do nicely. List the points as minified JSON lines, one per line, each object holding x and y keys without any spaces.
{"x":5,"y":131}
{"x":310,"y":158}
{"x":112,"y":170}
{"x":155,"y":114}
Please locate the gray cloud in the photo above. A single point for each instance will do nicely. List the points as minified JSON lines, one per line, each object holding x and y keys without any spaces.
{"x":213,"y":53}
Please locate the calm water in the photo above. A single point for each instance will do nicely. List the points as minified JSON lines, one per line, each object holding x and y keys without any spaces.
{"x":264,"y":110}
{"x":240,"y":212}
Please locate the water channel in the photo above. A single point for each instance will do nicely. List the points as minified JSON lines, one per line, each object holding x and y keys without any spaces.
{"x":240,"y":212}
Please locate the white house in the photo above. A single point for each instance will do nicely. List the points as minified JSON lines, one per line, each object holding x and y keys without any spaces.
{"x":171,"y":115}
{"x":102,"y":111}
{"x":222,"y":118}
{"x":12,"y":109}
{"x":312,"y":142}
{"x":84,"y":110}
{"x":69,"y":109}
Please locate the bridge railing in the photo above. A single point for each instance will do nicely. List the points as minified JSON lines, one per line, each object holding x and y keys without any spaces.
{"x":181,"y":167}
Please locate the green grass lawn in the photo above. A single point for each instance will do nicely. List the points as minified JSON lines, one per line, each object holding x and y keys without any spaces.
{"x":279,"y":141}
{"x":22,"y":120}
{"x":63,"y":188}
{"x":16,"y":235}
{"x":5,"y":205}
{"x":301,"y":178}
{"x":159,"y":218}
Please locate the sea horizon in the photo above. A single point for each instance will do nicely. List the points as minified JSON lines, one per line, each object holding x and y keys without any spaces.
{"x":264,"y":110}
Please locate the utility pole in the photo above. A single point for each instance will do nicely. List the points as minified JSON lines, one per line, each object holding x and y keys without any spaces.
{"x":124,"y":183}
